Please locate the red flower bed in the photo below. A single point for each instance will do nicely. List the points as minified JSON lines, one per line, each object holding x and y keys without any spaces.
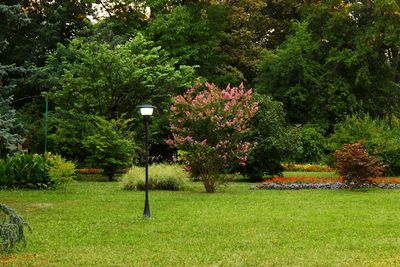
{"x":302,"y":179}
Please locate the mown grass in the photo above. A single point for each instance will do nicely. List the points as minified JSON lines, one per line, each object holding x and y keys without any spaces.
{"x":98,"y":224}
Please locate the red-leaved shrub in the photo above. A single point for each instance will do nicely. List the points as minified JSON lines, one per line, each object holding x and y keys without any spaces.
{"x":354,"y":163}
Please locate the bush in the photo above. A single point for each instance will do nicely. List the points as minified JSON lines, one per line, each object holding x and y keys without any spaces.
{"x":161,"y":177}
{"x":61,"y":171}
{"x":275,"y":142}
{"x":313,"y":142}
{"x":109,"y":148}
{"x":12,"y":228}
{"x":211,"y":124}
{"x":355,"y":164}
{"x":379,"y":136}
{"x":24,"y":171}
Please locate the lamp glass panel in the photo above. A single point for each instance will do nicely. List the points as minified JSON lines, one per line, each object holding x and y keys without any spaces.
{"x":146,"y":111}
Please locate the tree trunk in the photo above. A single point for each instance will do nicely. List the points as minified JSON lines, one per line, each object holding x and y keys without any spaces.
{"x":209,"y":183}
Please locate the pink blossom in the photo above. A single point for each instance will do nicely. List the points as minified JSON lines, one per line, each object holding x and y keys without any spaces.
{"x":188,"y":138}
{"x":222,"y":114}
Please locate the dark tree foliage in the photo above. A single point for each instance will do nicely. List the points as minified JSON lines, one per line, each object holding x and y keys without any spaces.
{"x":254,"y":25}
{"x":12,"y":18}
{"x":32,"y":30}
{"x":10,"y":130}
{"x":341,"y":58}
{"x":192,"y":32}
{"x":51,"y":22}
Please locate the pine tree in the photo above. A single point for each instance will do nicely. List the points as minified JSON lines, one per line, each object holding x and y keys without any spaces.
{"x":11,"y":19}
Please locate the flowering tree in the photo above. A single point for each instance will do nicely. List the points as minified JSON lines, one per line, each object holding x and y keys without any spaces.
{"x":209,"y":124}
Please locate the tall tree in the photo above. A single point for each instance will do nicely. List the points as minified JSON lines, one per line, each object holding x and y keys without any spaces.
{"x":12,"y":18}
{"x":341,"y":58}
{"x":192,"y":32}
{"x":10,"y":129}
{"x":99,"y":79}
{"x":254,"y":25}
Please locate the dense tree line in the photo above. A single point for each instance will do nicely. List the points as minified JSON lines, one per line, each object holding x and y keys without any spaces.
{"x":98,"y":59}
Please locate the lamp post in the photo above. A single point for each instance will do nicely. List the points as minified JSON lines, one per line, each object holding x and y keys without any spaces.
{"x":146,"y":111}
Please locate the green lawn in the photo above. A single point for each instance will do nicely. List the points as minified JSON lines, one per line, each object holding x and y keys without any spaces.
{"x":97,"y":224}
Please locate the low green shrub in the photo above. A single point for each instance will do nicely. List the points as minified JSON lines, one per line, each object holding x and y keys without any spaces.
{"x":61,"y":172}
{"x":24,"y":171}
{"x":12,"y":228}
{"x":161,"y":177}
{"x":36,"y":172}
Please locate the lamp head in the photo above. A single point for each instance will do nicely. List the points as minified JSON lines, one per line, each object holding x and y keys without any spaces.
{"x":146,"y":110}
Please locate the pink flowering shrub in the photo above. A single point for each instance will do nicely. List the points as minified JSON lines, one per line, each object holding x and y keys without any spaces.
{"x":210,"y":124}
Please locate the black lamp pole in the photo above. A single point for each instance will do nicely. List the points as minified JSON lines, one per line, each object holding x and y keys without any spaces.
{"x":146,"y":212}
{"x":146,"y":111}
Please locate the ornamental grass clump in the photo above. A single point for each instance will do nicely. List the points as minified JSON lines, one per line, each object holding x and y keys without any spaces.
{"x":161,"y":177}
{"x":355,"y":165}
{"x":210,"y":124}
{"x":12,"y":228}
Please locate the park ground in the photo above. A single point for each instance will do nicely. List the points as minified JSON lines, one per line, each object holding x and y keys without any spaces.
{"x":98,"y":224}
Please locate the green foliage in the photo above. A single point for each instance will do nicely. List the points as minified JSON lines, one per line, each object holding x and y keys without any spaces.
{"x":161,"y":177}
{"x":295,"y":75}
{"x":12,"y":228}
{"x":249,"y":22}
{"x":354,"y":163}
{"x":67,"y":130}
{"x":109,"y":81}
{"x":109,"y":148}
{"x":334,"y":63}
{"x":61,"y":172}
{"x":192,"y":33}
{"x":50,"y":23}
{"x":10,"y":129}
{"x":275,"y":141}
{"x":313,"y":144}
{"x":24,"y":171}
{"x":29,"y":31}
{"x":379,"y":136}
{"x":12,"y":19}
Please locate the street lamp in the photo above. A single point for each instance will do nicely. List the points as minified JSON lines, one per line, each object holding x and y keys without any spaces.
{"x":146,"y":111}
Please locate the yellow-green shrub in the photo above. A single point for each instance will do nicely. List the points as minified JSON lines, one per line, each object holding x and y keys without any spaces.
{"x":61,"y":171}
{"x":161,"y":177}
